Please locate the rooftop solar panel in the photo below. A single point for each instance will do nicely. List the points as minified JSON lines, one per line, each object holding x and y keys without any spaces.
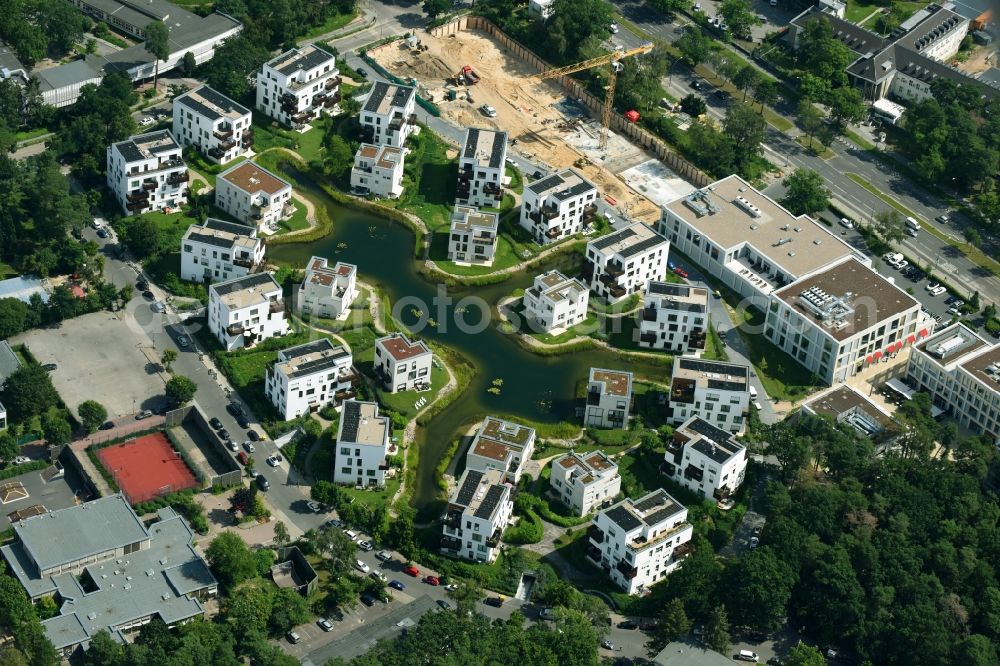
{"x":623,"y":518}
{"x":350,"y":421}
{"x":643,"y":245}
{"x":489,"y":504}
{"x":468,"y":489}
{"x":653,"y":500}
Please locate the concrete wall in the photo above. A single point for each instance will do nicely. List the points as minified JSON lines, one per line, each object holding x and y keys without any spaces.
{"x":619,"y":124}
{"x":175,"y":419}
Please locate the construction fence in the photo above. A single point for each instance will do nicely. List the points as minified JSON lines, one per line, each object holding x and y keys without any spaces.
{"x":619,"y":124}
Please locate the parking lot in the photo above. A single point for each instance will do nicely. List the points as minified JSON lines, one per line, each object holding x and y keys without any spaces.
{"x":99,"y":358}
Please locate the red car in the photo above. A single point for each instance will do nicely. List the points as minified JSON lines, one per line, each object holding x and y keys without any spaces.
{"x":432,"y":580}
{"x":681,"y":272}
{"x":411,"y":571}
{"x":243,"y":457}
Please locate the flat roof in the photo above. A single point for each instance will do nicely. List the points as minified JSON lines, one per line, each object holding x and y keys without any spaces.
{"x":588,"y":467}
{"x":616,"y":382}
{"x":253,"y":178}
{"x":310,"y":358}
{"x":485,"y":146}
{"x":842,"y":399}
{"x":211,"y":104}
{"x":147,"y":146}
{"x":720,"y":375}
{"x":683,"y":653}
{"x":385,"y":97}
{"x":628,"y":242}
{"x":672,"y":296}
{"x":505,"y":432}
{"x":480,"y":493}
{"x":847,"y":299}
{"x":318,"y":271}
{"x":712,"y":442}
{"x":468,"y":218}
{"x":651,"y":509}
{"x":296,"y":59}
{"x":222,"y":234}
{"x":555,"y":286}
{"x":360,"y":423}
{"x":985,"y":367}
{"x":9,"y":362}
{"x":245,"y":291}
{"x":796,"y":244}
{"x":952,"y":344}
{"x":400,"y":348}
{"x":563,"y":185}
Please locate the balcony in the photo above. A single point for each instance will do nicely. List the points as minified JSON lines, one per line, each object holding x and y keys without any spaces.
{"x":682,"y":390}
{"x":614,"y":270}
{"x":289,"y":98}
{"x":616,"y":291}
{"x":648,"y":338}
{"x":245,"y":263}
{"x":229,"y":144}
{"x":177,"y":178}
{"x":553,"y":233}
{"x":649,"y":314}
{"x":483,"y":240}
{"x":494,"y":540}
{"x":137,"y":197}
{"x":594,"y":554}
{"x":549,"y":213}
{"x":595,"y":534}
{"x":222,"y":134}
{"x":149,"y":185}
{"x":696,"y":339}
{"x":137,"y":206}
{"x":453,"y":518}
{"x":593,"y":398}
{"x":683,"y":550}
{"x":235,"y":329}
{"x":276,"y":306}
{"x":216,"y":153}
{"x":589,"y":211}
{"x":301,"y":117}
{"x":627,"y":570}
{"x":332,"y":83}
{"x":170,"y":164}
{"x":451,"y":545}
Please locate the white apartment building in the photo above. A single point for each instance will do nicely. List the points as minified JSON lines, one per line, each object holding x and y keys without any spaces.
{"x":326,"y":292}
{"x":558,"y":206}
{"x":378,"y":170}
{"x":845,"y":404}
{"x":541,"y":8}
{"x":245,"y":310}
{"x":833,"y":322}
{"x":253,"y":195}
{"x":622,"y":262}
{"x":362,"y":445}
{"x":478,"y":513}
{"x":147,"y":172}
{"x":387,"y":117}
{"x":705,"y":459}
{"x":639,"y":542}
{"x":219,"y":250}
{"x":298,"y":85}
{"x":748,"y":241}
{"x":674,"y":318}
{"x":585,"y":482}
{"x":717,"y":391}
{"x":402,"y":365}
{"x":214,"y":124}
{"x":555,"y":302}
{"x":961,"y":371}
{"x":481,"y":168}
{"x":473,"y":236}
{"x":609,"y":399}
{"x":307,"y":377}
{"x":501,"y":445}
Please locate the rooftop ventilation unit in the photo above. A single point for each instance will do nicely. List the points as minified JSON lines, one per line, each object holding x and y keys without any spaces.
{"x":782,"y":241}
{"x":744,"y":203}
{"x":948,"y":346}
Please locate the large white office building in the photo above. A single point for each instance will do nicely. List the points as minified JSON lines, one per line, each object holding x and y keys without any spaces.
{"x":478,"y":512}
{"x":481,"y":168}
{"x":217,"y":250}
{"x":717,"y":391}
{"x":622,"y":262}
{"x":298,"y":85}
{"x":362,"y":445}
{"x":558,"y":205}
{"x":308,"y":377}
{"x":585,"y":482}
{"x":473,"y":236}
{"x":147,"y":172}
{"x":501,"y":445}
{"x":639,"y":542}
{"x":555,"y":302}
{"x":705,"y":459}
{"x":609,"y":399}
{"x":377,"y":170}
{"x":326,"y":291}
{"x":254,"y":196}
{"x":215,"y":125}
{"x":402,"y":365}
{"x":387,"y":117}
{"x":246,"y":310}
{"x":674,"y":318}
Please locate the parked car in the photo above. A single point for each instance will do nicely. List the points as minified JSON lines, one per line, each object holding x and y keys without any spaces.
{"x":158,"y":307}
{"x":443,"y":604}
{"x":144,"y":414}
{"x":681,"y":272}
{"x":754,"y":542}
{"x":367,"y":599}
{"x":361,"y":566}
{"x":325,"y":624}
{"x":902,"y":264}
{"x":315,"y":507}
{"x":21,"y":460}
{"x":362,"y":73}
{"x":333,"y":522}
{"x":451,"y":587}
{"x":272,"y":460}
{"x":148,"y":295}
{"x":931,"y":286}
{"x":938,"y":290}
{"x":232,"y":445}
{"x":628,"y":624}
{"x":696,"y":85}
{"x":747,"y":655}
{"x":432,"y":580}
{"x":102,"y":233}
{"x":107,"y":425}
{"x":383,"y":556}
{"x":224,"y":435}
{"x":50,"y":367}
{"x":242,"y":422}
{"x":378,"y":575}
{"x":412,"y":571}
{"x":352,"y":535}
{"x":607,"y":645}
{"x":955,"y":312}
{"x":183,"y":341}
{"x":141,"y":284}
{"x":215,"y":423}
{"x":488,"y":111}
{"x":293,"y":637}
{"x":234,"y":409}
{"x":253,"y":435}
{"x":366,"y":546}
{"x":396,"y":585}
{"x":496,"y":602}
{"x":613,"y":28}
{"x":262,"y":482}
{"x":943,"y":219}
{"x":547,"y":614}
{"x":847,"y":224}
{"x":243,"y":457}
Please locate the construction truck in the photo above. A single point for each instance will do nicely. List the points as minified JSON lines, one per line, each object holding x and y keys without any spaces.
{"x":469,"y":75}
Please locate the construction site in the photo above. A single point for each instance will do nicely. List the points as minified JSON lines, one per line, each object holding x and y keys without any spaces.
{"x":465,"y":70}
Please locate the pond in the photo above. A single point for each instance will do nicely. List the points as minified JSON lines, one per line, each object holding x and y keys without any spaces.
{"x":535,"y":388}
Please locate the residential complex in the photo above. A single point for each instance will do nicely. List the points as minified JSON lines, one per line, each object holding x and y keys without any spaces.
{"x":246,"y":310}
{"x":639,"y":542}
{"x":326,"y":291}
{"x":478,"y":513}
{"x":378,"y":170}
{"x":214,"y":124}
{"x":147,"y":172}
{"x":387,"y":117}
{"x":253,"y":195}
{"x":362,"y":445}
{"x":585,"y":482}
{"x":834,"y":321}
{"x":473,"y":236}
{"x":501,"y":445}
{"x":218,"y":250}
{"x":705,"y":459}
{"x":295,"y":87}
{"x":308,"y":377}
{"x":402,"y":365}
{"x":674,"y":318}
{"x":481,"y":168}
{"x":747,"y":241}
{"x":609,"y":399}
{"x":717,"y":391}
{"x":555,"y":302}
{"x":558,"y":206}
{"x":621,"y":263}
{"x":108,"y":570}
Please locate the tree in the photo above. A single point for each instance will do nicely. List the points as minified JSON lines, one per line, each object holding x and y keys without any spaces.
{"x":810,"y":118}
{"x":466,"y":596}
{"x":337,"y":546}
{"x":577,"y":25}
{"x":142,"y":237}
{"x":188,"y":64}
{"x":237,"y":59}
{"x":324,"y":492}
{"x":972,"y":236}
{"x":693,"y":105}
{"x":243,"y":499}
{"x":434,"y":8}
{"x":669,"y":7}
{"x":289,"y":609}
{"x":180,"y":389}
{"x":157,"y":45}
{"x":804,"y":655}
{"x":9,"y":448}
{"x":739,"y":16}
{"x":673,"y":624}
{"x":168,"y":358}
{"x":975,"y":302}
{"x":338,"y":157}
{"x":231,"y":560}
{"x":92,"y":414}
{"x":746,"y":78}
{"x":13,"y":315}
{"x":889,"y":226}
{"x":281,"y":536}
{"x":758,"y":588}
{"x":847,"y":105}
{"x":717,"y":630}
{"x":28,"y":392}
{"x":695,"y":47}
{"x":745,"y":129}
{"x":822,"y":54}
{"x":104,"y":650}
{"x":805,"y":192}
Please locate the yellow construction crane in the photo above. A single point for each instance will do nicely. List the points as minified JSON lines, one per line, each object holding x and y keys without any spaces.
{"x":611,"y":59}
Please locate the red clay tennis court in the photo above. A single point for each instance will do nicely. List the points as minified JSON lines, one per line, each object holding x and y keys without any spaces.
{"x":146,"y":467}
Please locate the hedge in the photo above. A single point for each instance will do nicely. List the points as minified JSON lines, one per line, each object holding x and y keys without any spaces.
{"x":18,"y":470}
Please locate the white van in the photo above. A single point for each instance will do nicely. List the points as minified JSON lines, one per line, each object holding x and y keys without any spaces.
{"x":748,"y":655}
{"x":912,"y":224}
{"x":753,"y":392}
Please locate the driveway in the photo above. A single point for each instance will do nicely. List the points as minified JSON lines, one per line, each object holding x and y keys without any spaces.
{"x":99,"y":358}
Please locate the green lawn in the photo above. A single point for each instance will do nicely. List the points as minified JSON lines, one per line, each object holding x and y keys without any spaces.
{"x":516,"y":180}
{"x":783,"y":377}
{"x":859,"y":10}
{"x":429,"y":179}
{"x":308,"y":144}
{"x":403,"y":401}
{"x":209,"y":170}
{"x":296,"y":222}
{"x":815,"y":147}
{"x":714,"y":351}
{"x":333,"y":23}
{"x":504,"y":257}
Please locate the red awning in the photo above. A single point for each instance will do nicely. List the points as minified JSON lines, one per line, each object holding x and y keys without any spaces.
{"x":923,"y":332}
{"x":878,"y":355}
{"x":911,"y":339}
{"x":869,"y":359}
{"x":899,"y":345}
